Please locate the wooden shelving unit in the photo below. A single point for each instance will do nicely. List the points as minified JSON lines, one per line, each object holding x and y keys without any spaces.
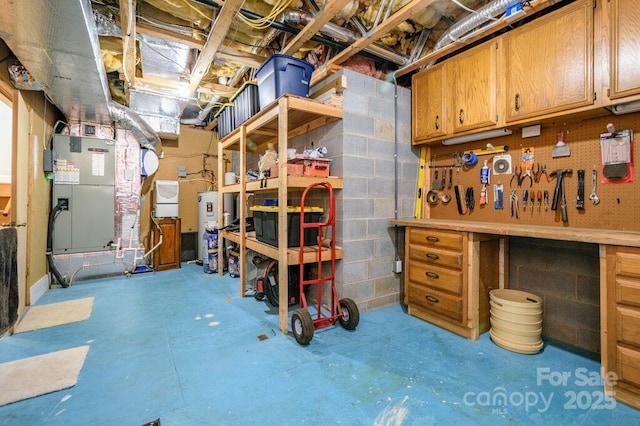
{"x":284,"y":119}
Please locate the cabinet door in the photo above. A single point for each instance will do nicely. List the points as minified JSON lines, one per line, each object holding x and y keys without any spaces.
{"x":167,"y":256}
{"x":625,"y":39}
{"x":428,"y":97}
{"x":549,"y":63}
{"x":472,"y":78}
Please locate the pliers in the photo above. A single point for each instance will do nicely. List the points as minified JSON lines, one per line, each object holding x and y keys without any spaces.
{"x":537,"y":174}
{"x":520,"y":176}
{"x":513,"y":203}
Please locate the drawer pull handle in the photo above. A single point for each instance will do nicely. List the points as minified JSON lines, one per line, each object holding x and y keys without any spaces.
{"x":433,"y":239}
{"x":432,"y":299}
{"x":437,"y":123}
{"x":461,"y":116}
{"x":432,"y":275}
{"x":433,"y":256}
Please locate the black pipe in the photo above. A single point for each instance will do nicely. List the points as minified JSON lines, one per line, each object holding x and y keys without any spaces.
{"x":292,"y":30}
{"x":52,"y":265}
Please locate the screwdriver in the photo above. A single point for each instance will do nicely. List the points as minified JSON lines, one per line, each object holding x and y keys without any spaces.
{"x":539,"y":196}
{"x":525,"y":198}
{"x":546,"y":200}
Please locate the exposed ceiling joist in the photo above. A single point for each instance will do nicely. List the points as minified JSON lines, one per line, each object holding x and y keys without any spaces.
{"x":383,"y":28}
{"x":128,"y":19}
{"x":217,"y":35}
{"x":320,"y":19}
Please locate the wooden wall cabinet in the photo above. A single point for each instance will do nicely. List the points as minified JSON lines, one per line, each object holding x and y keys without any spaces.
{"x":625,"y":39}
{"x":549,"y":63}
{"x":167,"y":256}
{"x":449,"y":275}
{"x":473,"y":83}
{"x":428,"y":97}
{"x":621,"y":323}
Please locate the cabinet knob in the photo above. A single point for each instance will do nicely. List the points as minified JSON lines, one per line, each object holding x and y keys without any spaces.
{"x":432,"y":275}
{"x":437,"y":123}
{"x":433,"y":256}
{"x":432,"y":299}
{"x":517,"y":102}
{"x":461,"y":116}
{"x":433,"y":239}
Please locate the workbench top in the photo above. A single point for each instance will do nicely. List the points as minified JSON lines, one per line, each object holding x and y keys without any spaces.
{"x":584,"y":235}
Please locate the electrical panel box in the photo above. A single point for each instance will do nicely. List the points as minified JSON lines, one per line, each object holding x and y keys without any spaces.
{"x":84,"y":182}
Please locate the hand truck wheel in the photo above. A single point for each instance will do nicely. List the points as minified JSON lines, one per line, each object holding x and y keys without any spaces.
{"x":350,"y":314}
{"x":302,"y":326}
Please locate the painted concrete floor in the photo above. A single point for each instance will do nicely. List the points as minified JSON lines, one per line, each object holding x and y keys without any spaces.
{"x":182,"y":346}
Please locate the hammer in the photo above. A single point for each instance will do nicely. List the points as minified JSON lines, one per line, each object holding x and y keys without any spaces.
{"x":559,"y":192}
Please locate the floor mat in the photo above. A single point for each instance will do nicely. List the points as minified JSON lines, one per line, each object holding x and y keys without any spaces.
{"x":38,"y":375}
{"x":53,"y":314}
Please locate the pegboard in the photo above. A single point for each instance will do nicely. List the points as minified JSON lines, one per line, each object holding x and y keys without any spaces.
{"x":619,"y":202}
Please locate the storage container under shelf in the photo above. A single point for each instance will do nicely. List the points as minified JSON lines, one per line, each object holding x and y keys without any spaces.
{"x":265,"y":220}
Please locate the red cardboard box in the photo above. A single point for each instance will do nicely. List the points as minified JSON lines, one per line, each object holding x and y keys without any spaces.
{"x":292,"y":170}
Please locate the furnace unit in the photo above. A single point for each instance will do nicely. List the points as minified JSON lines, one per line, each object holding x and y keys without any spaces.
{"x":84,"y":182}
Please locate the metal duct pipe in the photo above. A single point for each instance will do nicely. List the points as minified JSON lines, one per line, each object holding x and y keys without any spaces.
{"x":462,"y":27}
{"x":128,"y":119}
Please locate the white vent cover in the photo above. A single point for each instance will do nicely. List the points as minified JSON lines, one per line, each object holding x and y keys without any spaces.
{"x":166,"y":192}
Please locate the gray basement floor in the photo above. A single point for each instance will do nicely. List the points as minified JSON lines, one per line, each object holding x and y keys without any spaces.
{"x":182,"y":346}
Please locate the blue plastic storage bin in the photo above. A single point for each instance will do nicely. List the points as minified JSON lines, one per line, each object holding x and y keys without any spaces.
{"x":281,"y":74}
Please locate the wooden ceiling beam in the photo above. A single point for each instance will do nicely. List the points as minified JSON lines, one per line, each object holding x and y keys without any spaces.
{"x":319,"y":20}
{"x":383,"y":28}
{"x":128,"y":18}
{"x":216,"y":36}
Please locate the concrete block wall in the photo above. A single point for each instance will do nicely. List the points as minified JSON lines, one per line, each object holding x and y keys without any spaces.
{"x":362,"y":148}
{"x":566,"y":276}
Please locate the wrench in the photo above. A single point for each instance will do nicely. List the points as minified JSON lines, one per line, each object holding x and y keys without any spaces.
{"x":594,"y":178}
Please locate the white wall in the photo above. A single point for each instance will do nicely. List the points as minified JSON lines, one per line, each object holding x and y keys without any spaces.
{"x":6,"y":122}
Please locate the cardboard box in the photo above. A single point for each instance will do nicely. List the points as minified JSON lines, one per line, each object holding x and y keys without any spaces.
{"x":292,"y":170}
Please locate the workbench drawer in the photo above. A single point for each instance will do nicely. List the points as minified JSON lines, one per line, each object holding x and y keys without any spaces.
{"x":435,"y":256}
{"x":628,"y":365}
{"x":435,"y":276}
{"x":628,"y":324}
{"x":436,"y":238}
{"x":628,"y":291}
{"x":436,"y":302}
{"x":628,"y":262}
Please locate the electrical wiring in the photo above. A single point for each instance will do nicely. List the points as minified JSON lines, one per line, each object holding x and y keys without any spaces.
{"x":198,"y":11}
{"x":264,"y":22}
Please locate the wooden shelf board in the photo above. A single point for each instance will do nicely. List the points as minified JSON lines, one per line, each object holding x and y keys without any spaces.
{"x":310,"y":255}
{"x":303,"y":115}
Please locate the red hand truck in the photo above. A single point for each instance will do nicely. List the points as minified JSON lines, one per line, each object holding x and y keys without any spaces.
{"x":344,"y":310}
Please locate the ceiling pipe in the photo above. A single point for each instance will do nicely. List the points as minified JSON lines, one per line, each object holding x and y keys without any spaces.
{"x":470,"y":25}
{"x":374,"y":51}
{"x":129,"y":120}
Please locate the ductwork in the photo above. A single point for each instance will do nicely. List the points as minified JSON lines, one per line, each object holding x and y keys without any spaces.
{"x":472,"y":24}
{"x":57,"y":42}
{"x":129,"y":120}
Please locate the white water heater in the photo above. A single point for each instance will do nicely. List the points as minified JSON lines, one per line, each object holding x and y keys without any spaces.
{"x":207,"y":214}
